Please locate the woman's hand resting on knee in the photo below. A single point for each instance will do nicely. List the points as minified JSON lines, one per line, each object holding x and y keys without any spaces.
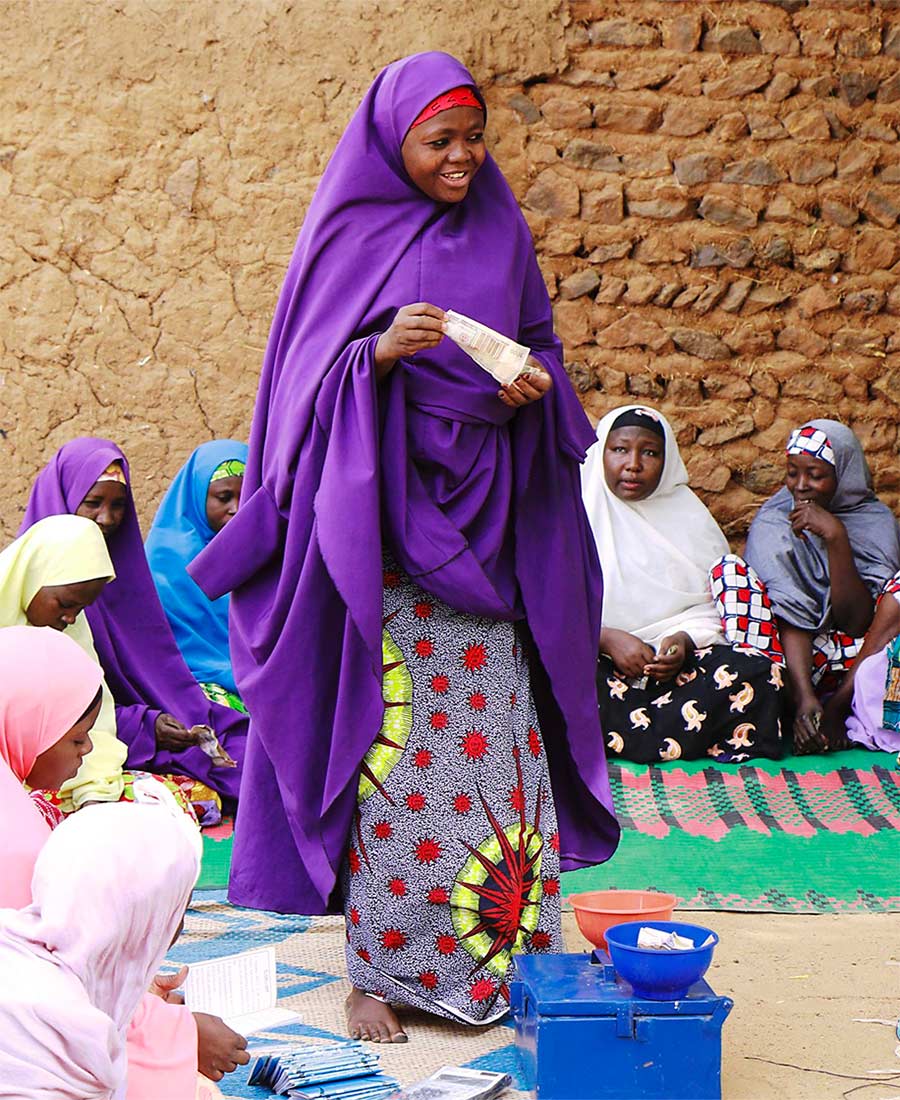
{"x":670,"y":657}
{"x":629,"y":654}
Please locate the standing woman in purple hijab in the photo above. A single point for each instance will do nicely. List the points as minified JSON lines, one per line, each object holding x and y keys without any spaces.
{"x":157,"y":698}
{"x":416,"y":592}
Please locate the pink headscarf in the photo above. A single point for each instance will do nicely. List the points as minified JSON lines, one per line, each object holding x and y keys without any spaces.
{"x":109,"y":888}
{"x":47,"y":682}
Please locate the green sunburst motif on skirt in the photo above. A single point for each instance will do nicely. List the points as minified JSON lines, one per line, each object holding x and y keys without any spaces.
{"x":495,"y":903}
{"x":388,"y":746}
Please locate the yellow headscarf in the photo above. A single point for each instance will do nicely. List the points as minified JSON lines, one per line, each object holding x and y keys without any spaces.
{"x":56,"y":550}
{"x":67,"y":550}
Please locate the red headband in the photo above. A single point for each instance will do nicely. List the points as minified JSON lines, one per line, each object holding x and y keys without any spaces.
{"x":456,"y":97}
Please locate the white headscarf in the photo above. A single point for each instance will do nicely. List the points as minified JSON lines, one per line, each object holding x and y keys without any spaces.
{"x":109,"y":891}
{"x":655,"y":553}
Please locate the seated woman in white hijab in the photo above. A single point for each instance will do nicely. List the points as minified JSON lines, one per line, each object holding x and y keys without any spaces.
{"x":669,"y":684}
{"x":109,"y":891}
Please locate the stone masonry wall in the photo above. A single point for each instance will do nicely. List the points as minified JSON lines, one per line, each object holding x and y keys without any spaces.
{"x":714,"y":190}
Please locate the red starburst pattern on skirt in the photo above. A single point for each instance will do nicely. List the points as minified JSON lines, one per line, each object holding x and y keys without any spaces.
{"x":477,"y":700}
{"x":554,"y":841}
{"x":415,"y":801}
{"x":423,"y":758}
{"x":504,"y":893}
{"x":446,"y":945}
{"x":440,"y":683}
{"x":534,"y":742}
{"x":482,"y":990}
{"x":423,"y":610}
{"x":392,"y":939}
{"x":390,"y":578}
{"x":383,"y":830}
{"x":439,"y":720}
{"x":517,"y":799}
{"x":540,"y":941}
{"x":424,"y":647}
{"x":513,"y":699}
{"x":474,"y":745}
{"x":428,"y":850}
{"x":428,"y":979}
{"x":437,"y":895}
{"x":354,"y":916}
{"x":551,"y":887}
{"x":364,"y":955}
{"x":462,"y":803}
{"x":475,"y":657}
{"x":354,"y":861}
{"x":397,"y":887}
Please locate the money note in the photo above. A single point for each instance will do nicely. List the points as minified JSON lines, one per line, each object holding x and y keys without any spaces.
{"x":501,"y":357}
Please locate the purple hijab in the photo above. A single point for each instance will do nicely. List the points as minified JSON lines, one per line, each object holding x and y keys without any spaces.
{"x":141,"y":661}
{"x":479,"y":504}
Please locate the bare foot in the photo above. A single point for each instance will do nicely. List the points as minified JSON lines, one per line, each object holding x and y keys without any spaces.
{"x":372,"y":1020}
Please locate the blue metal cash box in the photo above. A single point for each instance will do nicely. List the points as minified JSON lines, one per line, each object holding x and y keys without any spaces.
{"x":583,"y":1035}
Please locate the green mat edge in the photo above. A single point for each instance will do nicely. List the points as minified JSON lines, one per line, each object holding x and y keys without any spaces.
{"x":862,"y":759}
{"x":836,"y":871}
{"x":824,"y":873}
{"x":216,"y":863}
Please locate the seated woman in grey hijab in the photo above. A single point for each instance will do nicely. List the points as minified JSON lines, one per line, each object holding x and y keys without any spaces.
{"x":823,"y":546}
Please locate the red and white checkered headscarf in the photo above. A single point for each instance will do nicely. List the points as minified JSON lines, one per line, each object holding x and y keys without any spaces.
{"x":811,"y":441}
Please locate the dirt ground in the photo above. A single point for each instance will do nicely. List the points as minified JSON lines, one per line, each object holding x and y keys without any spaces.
{"x":809,"y":994}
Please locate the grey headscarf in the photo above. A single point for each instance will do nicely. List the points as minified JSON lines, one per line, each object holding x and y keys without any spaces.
{"x":794,"y":570}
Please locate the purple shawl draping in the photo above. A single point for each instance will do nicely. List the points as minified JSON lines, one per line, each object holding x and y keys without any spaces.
{"x":141,"y":661}
{"x":480,"y":505}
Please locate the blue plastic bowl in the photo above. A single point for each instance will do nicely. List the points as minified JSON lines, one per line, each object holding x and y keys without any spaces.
{"x":660,"y":975}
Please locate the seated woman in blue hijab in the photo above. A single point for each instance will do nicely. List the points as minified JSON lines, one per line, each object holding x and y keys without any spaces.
{"x":202,"y":498}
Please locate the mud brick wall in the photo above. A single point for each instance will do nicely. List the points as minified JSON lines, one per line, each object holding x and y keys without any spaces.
{"x":714,"y":189}
{"x":156,"y":161}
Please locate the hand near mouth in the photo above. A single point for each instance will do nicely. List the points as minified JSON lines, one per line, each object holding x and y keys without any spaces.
{"x":806,"y":515}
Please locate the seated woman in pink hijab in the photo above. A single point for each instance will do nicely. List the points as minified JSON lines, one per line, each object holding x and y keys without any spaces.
{"x":77,"y":961}
{"x":45,"y":724}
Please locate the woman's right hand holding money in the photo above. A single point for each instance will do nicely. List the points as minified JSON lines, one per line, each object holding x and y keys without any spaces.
{"x":414,"y":328}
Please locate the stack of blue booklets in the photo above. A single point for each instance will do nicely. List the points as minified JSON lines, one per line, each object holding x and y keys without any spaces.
{"x":336,"y":1071}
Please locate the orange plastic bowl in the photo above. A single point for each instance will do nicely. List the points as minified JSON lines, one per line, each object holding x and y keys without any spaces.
{"x":601,"y":909}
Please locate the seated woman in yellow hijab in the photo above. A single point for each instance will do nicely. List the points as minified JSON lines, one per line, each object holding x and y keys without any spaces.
{"x":48,"y":576}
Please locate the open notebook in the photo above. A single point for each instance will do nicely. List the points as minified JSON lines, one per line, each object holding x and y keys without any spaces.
{"x":242,"y":989}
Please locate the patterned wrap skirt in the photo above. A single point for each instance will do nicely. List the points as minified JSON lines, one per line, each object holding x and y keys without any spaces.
{"x":453,"y":864}
{"x":748,"y":619}
{"x":726,"y":703}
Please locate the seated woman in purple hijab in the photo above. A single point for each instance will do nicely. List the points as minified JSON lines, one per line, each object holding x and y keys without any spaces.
{"x":158,"y":702}
{"x":416,"y":592}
